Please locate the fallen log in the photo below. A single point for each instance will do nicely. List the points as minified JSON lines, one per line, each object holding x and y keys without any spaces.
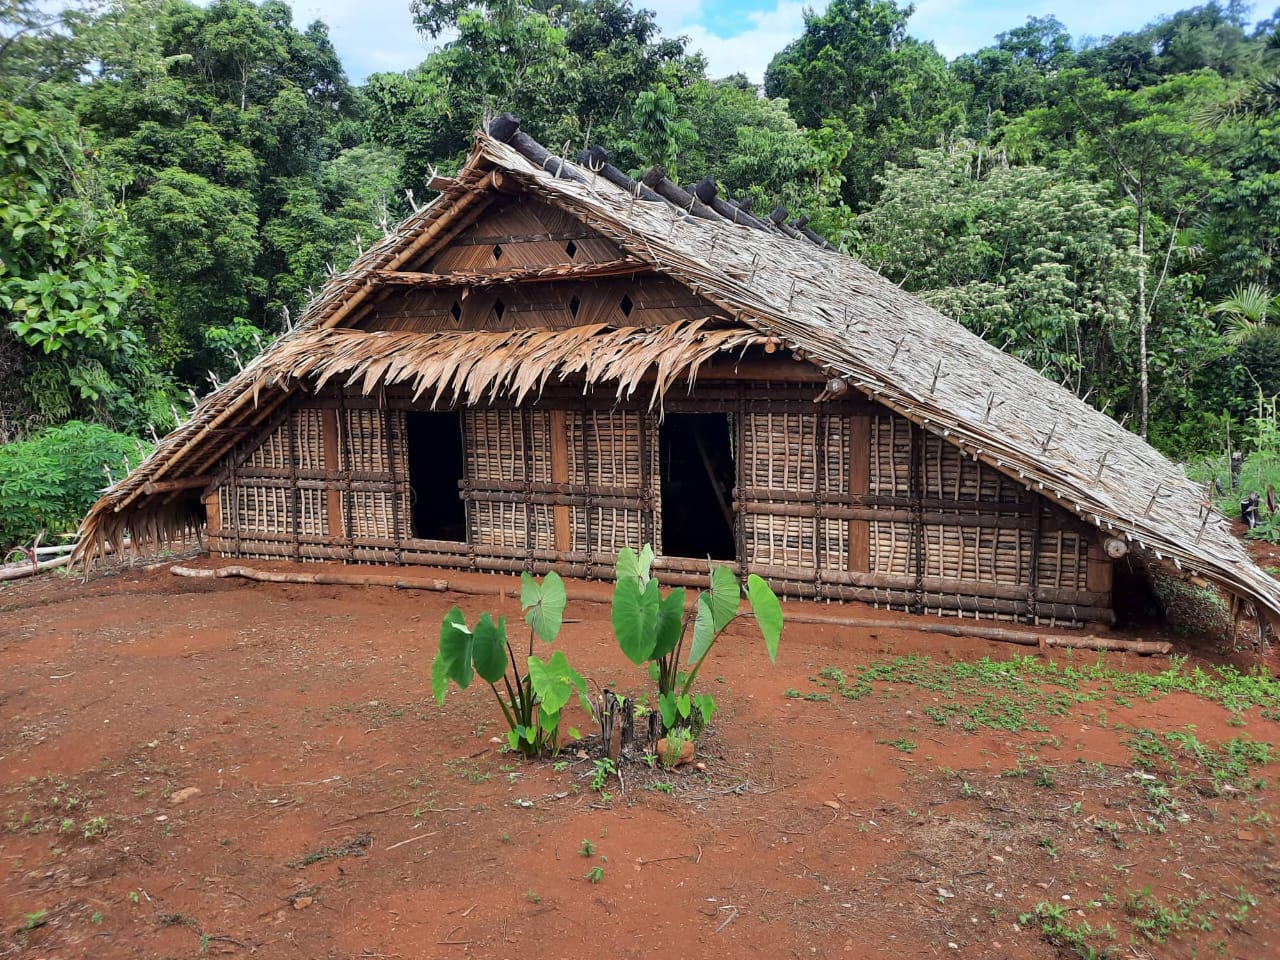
{"x":16,"y":571}
{"x":1026,"y":638}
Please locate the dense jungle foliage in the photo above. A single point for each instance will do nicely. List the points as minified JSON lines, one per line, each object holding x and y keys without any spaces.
{"x":176,"y":180}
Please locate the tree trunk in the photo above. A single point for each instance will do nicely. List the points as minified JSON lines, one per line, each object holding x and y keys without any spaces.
{"x":1143,"y":377}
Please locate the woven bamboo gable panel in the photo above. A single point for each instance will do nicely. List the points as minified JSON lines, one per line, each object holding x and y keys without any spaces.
{"x":522,"y":233}
{"x":643,"y":301}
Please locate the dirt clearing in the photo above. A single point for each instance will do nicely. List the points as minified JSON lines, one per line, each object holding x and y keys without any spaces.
{"x":214,"y":767}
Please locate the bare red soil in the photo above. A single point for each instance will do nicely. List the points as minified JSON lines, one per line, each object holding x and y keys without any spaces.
{"x":341,"y":813}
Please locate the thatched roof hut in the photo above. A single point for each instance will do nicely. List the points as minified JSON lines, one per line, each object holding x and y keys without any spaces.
{"x":551,"y":361}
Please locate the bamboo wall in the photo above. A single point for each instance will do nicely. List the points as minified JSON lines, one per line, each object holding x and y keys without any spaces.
{"x":842,"y":500}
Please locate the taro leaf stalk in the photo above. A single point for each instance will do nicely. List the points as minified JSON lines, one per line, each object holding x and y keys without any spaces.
{"x":650,"y":629}
{"x":533,"y":700}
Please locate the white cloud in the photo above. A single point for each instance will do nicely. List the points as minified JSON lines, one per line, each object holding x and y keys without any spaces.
{"x":748,"y":52}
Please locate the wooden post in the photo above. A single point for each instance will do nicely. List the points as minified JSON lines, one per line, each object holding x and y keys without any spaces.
{"x":1098,"y":576}
{"x":213,"y":521}
{"x":560,"y":474}
{"x":859,"y":485}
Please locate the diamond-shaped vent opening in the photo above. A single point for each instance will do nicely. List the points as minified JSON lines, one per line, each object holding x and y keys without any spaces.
{"x":497,"y":252}
{"x":574,"y":304}
{"x":571,"y":248}
{"x":456,"y":310}
{"x":626,"y":305}
{"x":499,"y":308}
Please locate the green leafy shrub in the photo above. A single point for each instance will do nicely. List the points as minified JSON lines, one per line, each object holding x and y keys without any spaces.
{"x":50,"y":480}
{"x":533,"y":700}
{"x":650,"y":630}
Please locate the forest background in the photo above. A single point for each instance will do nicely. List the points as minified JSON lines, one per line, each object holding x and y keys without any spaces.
{"x":176,"y":181}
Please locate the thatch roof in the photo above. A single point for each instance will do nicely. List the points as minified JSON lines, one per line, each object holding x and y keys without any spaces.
{"x":776,"y":281}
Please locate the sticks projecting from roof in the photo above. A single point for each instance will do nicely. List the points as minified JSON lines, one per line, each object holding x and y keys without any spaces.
{"x":702,"y":201}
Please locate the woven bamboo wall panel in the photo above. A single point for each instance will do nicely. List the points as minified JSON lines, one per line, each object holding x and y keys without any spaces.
{"x":604,"y":448}
{"x":1063,"y":560}
{"x":892,"y":548}
{"x":313,"y":513}
{"x":978,"y":554}
{"x":947,"y":474}
{"x":781,"y":541}
{"x":603,"y":531}
{"x":507,"y":445}
{"x":363,"y":440}
{"x":781,"y":452}
{"x":257,"y":509}
{"x":516,"y":526}
{"x":277,"y":452}
{"x":890,"y":456}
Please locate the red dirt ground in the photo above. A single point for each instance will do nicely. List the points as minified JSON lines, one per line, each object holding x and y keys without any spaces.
{"x":341,"y":813}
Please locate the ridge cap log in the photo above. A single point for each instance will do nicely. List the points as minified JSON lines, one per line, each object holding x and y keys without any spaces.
{"x":655,"y":178}
{"x":708,"y":192}
{"x":506,"y":129}
{"x":588,"y":159}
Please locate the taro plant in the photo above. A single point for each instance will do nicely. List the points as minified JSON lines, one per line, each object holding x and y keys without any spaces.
{"x":651,"y":630}
{"x":531,"y":700}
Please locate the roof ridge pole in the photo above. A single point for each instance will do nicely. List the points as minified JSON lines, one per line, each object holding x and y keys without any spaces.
{"x":506,"y":129}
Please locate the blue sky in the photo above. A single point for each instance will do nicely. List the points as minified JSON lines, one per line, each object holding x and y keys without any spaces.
{"x":742,"y":35}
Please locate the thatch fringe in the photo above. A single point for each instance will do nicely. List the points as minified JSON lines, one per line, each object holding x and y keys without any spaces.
{"x":479,"y":366}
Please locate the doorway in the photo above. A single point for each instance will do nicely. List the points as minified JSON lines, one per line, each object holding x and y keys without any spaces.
{"x":436,"y":465}
{"x":696,"y":456}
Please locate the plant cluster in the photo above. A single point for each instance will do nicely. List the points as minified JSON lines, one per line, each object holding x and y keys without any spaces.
{"x":650,"y":629}
{"x":531,"y":700}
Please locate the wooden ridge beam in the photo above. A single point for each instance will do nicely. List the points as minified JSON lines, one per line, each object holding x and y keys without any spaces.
{"x":489,"y":278}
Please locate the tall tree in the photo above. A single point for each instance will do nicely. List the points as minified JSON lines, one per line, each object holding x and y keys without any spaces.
{"x":855,"y":62}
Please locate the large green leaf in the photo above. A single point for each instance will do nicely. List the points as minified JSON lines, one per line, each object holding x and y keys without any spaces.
{"x":635,"y":618}
{"x":632,"y":567}
{"x":543,"y":604}
{"x":704,"y":631}
{"x":768,"y":613}
{"x":456,"y":642}
{"x":489,"y":647}
{"x":555,"y":682}
{"x":670,"y":620}
{"x":439,"y":679}
{"x":627,"y":566}
{"x":725,"y":594}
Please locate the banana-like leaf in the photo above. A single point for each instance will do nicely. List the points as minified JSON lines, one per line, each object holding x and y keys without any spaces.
{"x":670,"y":620}
{"x":489,"y":648}
{"x":635,"y":618}
{"x":725,"y":594}
{"x":555,"y":682}
{"x":768,"y":613}
{"x":543,"y":604}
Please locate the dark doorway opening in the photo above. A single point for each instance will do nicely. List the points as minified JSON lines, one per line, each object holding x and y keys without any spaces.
{"x":696,"y":454}
{"x":435,"y":467}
